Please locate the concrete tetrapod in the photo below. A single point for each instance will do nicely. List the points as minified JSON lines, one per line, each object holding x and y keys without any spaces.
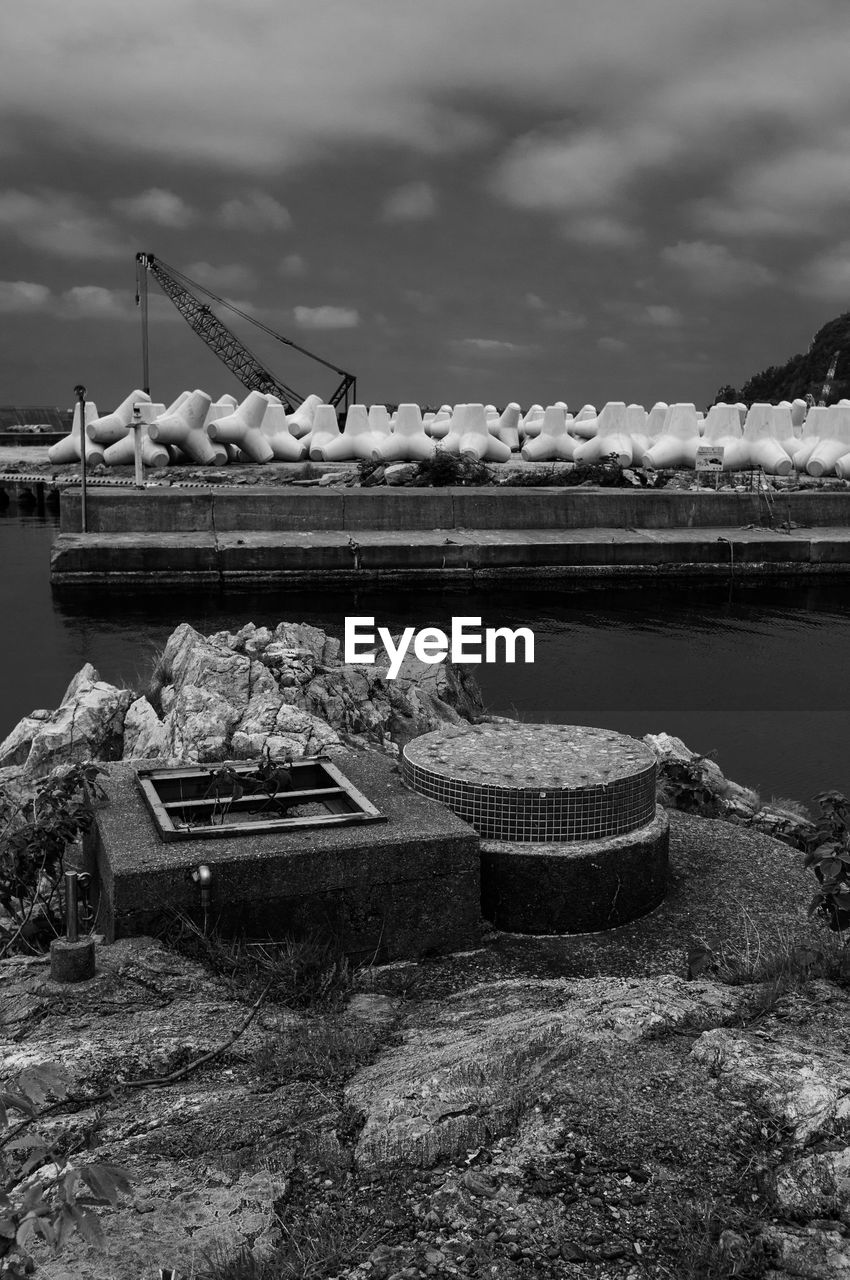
{"x":113,"y":426}
{"x":679,"y":440}
{"x":68,"y":450}
{"x":814,"y":430}
{"x":553,"y":444}
{"x":507,"y":426}
{"x":477,"y":441}
{"x":185,"y":427}
{"x":357,"y":440}
{"x":439,"y":425}
{"x":799,"y":409}
{"x":408,"y":443}
{"x":450,"y":442}
{"x":123,"y":452}
{"x":531,"y":423}
{"x":723,"y":430}
{"x":243,"y":428}
{"x":584,"y":423}
{"x":636,"y":420}
{"x":834,"y":443}
{"x":275,"y":427}
{"x":379,"y":419}
{"x":324,"y":431}
{"x":763,"y":449}
{"x":301,"y":421}
{"x":611,"y":438}
{"x":786,"y":431}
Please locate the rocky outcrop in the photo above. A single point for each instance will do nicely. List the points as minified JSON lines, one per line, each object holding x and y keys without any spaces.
{"x":481,"y":1060}
{"x":238,"y":695}
{"x":88,"y":724}
{"x":695,"y":784}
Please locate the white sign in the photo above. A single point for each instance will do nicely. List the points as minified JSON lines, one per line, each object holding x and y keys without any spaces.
{"x":709,"y":457}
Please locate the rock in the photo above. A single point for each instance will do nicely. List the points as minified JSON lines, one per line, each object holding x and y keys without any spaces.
{"x":199,"y":725}
{"x":808,"y":1253}
{"x":87,"y":674}
{"x":816,"y":1186}
{"x":462,"y":1075}
{"x":145,"y":735}
{"x":88,"y":725}
{"x":695,"y":784}
{"x":400,"y":472}
{"x":16,"y":748}
{"x":807,"y":1091}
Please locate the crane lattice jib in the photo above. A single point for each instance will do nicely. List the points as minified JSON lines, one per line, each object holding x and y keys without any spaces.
{"x":226,"y":345}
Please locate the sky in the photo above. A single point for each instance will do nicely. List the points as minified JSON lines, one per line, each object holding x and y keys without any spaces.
{"x":454,"y":200}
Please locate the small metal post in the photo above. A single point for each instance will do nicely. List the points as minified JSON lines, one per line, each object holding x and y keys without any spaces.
{"x":71,"y":907}
{"x":137,"y":446}
{"x":80,"y":393}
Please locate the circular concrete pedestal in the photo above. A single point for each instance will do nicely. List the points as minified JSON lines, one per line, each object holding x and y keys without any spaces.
{"x":578,"y":886}
{"x":572,"y":839}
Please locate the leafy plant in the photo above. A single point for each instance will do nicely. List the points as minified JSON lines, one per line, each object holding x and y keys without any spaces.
{"x":265,"y":782}
{"x":33,"y":838}
{"x":43,"y":1194}
{"x":829,"y":857}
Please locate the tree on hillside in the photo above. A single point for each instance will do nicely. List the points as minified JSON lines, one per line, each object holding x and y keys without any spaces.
{"x":804,"y":374}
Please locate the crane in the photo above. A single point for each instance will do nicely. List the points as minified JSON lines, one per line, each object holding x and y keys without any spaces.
{"x":222,"y":341}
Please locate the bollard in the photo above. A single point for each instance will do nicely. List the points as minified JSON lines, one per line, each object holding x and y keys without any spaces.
{"x":80,"y":393}
{"x":71,"y":958}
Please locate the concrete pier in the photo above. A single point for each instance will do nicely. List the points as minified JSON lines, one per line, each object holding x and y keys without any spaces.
{"x":253,"y":535}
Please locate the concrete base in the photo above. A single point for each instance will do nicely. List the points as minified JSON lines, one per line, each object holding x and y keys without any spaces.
{"x":72,"y":961}
{"x":575,"y":888}
{"x":237,"y":561}
{"x":394,"y":890}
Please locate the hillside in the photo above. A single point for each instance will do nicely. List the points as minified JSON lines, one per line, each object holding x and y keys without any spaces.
{"x":804,"y":373}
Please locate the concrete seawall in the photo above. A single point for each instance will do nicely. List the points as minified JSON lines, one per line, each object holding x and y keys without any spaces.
{"x":251,"y":537}
{"x":278,"y":509}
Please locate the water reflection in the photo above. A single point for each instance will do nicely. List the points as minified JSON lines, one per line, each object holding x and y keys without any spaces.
{"x":751,"y":674}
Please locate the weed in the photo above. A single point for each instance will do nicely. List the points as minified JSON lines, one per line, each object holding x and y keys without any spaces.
{"x":300,"y":972}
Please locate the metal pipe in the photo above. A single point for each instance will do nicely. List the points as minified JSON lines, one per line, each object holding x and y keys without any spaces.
{"x":71,"y":907}
{"x":80,"y":393}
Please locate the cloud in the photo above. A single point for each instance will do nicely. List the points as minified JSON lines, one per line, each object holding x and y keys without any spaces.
{"x":396,"y":77}
{"x":291,"y":266}
{"x":59,"y":224}
{"x":228,"y":278}
{"x":611,"y":344}
{"x":827,"y":275}
{"x":663,"y":316}
{"x":162,"y":208}
{"x":413,"y":202}
{"x":327,"y":317}
{"x":602,"y":231}
{"x":800,"y":192}
{"x":492,"y":346}
{"x":257,"y":212}
{"x":92,"y":301}
{"x":22,"y":296}
{"x":713,"y":269}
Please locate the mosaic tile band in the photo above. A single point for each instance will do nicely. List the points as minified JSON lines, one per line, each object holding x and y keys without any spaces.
{"x":536,"y":783}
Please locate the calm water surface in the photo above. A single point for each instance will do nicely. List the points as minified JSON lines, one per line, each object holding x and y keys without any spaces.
{"x":758,"y":677}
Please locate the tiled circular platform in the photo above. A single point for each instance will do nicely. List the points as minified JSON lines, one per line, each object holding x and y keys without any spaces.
{"x":536,"y":782}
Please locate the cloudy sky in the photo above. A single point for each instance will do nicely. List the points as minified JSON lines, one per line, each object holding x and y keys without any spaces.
{"x":452,"y":199}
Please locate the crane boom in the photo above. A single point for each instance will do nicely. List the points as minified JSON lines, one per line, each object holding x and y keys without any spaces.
{"x":221,"y":340}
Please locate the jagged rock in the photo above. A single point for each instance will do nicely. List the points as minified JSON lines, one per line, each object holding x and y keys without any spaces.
{"x":787,"y":825}
{"x":695,"y":784}
{"x":87,"y":674}
{"x":16,"y":748}
{"x":816,"y":1186}
{"x":88,"y":725}
{"x":400,"y":472}
{"x":484,"y":1056}
{"x":806,"y":1090}
{"x":808,"y":1253}
{"x":145,"y":735}
{"x":199,"y":724}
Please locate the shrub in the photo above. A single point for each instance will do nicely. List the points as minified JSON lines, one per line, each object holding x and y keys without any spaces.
{"x":829,"y":857}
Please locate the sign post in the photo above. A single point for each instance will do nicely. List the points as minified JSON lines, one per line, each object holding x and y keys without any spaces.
{"x":137,"y":446}
{"x":80,"y":393}
{"x":710,"y":458}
